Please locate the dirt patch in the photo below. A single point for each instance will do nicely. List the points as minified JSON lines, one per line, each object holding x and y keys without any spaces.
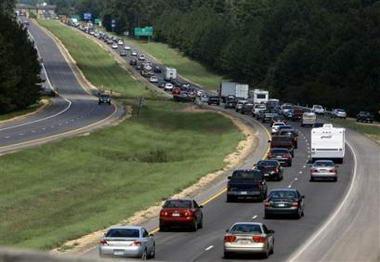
{"x":244,"y":148}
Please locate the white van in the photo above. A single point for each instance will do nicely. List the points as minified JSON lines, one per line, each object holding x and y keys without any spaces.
{"x":328,"y":142}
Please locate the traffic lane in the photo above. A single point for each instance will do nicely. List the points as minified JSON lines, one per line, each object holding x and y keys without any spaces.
{"x":353,"y":233}
{"x":79,"y":115}
{"x":321,"y":199}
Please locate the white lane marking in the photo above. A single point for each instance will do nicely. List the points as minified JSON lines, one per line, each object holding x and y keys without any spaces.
{"x":304,"y":166}
{"x":21,"y":134}
{"x":300,"y":172}
{"x":210,"y":247}
{"x":312,"y":239}
{"x":44,"y":128}
{"x":254,"y":217}
{"x":291,"y":183}
{"x":33,"y":131}
{"x":7,"y":137}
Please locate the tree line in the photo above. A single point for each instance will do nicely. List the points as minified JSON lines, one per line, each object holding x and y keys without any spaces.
{"x":19,"y":66}
{"x":311,"y":51}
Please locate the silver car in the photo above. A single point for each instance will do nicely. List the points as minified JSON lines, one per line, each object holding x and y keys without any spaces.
{"x":127,"y":241}
{"x":339,"y":113}
{"x":324,"y":169}
{"x":248,"y":238}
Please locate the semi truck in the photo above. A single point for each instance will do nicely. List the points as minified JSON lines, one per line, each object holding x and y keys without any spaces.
{"x":328,"y":142}
{"x":239,"y":91}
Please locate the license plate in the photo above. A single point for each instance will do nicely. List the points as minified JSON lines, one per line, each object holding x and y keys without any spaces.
{"x":281,"y":205}
{"x":118,"y":253}
{"x":243,"y":193}
{"x":266,"y":174}
{"x":244,"y":242}
{"x":175,"y":215}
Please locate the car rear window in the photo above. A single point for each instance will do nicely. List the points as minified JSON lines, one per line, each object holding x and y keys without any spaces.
{"x":267,"y":164}
{"x":324,"y":163}
{"x":247,"y":174}
{"x":283,"y":194}
{"x":280,"y":151}
{"x":246,"y":228}
{"x":123,"y":232}
{"x":177,"y":204}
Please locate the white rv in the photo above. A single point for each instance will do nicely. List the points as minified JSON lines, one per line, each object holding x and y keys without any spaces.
{"x":328,"y":142}
{"x":170,"y":73}
{"x":260,"y":96}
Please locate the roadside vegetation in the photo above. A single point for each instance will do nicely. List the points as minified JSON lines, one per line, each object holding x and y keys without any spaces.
{"x":17,"y":113}
{"x":67,"y":189}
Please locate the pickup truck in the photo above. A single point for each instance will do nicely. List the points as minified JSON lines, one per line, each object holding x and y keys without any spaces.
{"x":284,"y":141}
{"x":230,"y":102}
{"x":246,"y":184}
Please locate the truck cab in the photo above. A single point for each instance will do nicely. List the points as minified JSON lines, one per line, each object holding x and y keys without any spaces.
{"x":246,"y":184}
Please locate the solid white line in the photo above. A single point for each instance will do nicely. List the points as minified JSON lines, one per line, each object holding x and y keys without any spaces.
{"x":300,"y":172}
{"x":254,"y":217}
{"x":210,"y":247}
{"x":312,"y":239}
{"x":7,"y":137}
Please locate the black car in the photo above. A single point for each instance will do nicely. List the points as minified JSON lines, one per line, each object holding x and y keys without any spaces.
{"x":246,"y":184}
{"x":364,"y":116}
{"x":157,"y":69}
{"x":139,"y":67}
{"x":282,"y":131}
{"x":247,"y":108}
{"x":213,"y":100}
{"x":287,"y":201}
{"x":133,"y":62}
{"x":230,"y":102}
{"x":104,"y":99}
{"x":271,"y":169}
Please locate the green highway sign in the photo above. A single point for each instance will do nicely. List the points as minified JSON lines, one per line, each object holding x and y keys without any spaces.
{"x":144,"y":31}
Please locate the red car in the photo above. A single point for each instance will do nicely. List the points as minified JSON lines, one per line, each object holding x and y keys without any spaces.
{"x":181,"y":212}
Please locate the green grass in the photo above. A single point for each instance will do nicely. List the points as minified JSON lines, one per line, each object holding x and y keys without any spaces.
{"x":89,"y":56}
{"x":372,"y":131}
{"x":187,"y":67}
{"x":64,"y":190}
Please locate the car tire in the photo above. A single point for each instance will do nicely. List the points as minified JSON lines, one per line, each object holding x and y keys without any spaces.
{"x":311,"y":179}
{"x":194,"y":226}
{"x":200,"y":224}
{"x":144,"y":255}
{"x":289,"y":164}
{"x":230,"y":198}
{"x":153,"y":252}
{"x":227,"y":255}
{"x":299,"y":213}
{"x":163,"y":228}
{"x":266,"y":216}
{"x":335,"y":179}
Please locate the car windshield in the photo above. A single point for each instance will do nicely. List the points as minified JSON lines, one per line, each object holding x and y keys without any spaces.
{"x":246,"y":228}
{"x":283,"y":194}
{"x":324,"y":164}
{"x":177,"y":204}
{"x":247,"y":174}
{"x":104,"y":96}
{"x":124,"y":233}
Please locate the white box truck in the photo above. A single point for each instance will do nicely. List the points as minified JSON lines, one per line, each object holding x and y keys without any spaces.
{"x":237,"y":90}
{"x":328,"y":142}
{"x":170,"y":73}
{"x":260,"y":96}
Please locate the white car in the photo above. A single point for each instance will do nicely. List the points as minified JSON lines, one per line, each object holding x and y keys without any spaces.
{"x":127,"y":241}
{"x":114,"y":46}
{"x":120,"y":42}
{"x":168,"y":87}
{"x":257,"y":108}
{"x":339,"y":113}
{"x":276,"y":125}
{"x":141,"y":57}
{"x":134,"y":53}
{"x":153,"y":79}
{"x":127,"y":47}
{"x":318,"y":109}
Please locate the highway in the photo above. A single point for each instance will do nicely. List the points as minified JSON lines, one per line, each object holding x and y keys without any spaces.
{"x":74,"y":110}
{"x":335,"y":222}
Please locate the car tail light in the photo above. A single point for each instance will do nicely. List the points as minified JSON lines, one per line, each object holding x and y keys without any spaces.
{"x":332,"y":170}
{"x":314,"y":170}
{"x":295,"y":204}
{"x":187,"y":213}
{"x":136,"y":243}
{"x":164,"y":213}
{"x":266,"y":203}
{"x":229,"y":238}
{"x":103,"y":242}
{"x":258,"y":239}
{"x":277,"y":170}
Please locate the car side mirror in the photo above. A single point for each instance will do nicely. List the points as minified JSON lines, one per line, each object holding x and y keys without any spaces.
{"x":200,"y":206}
{"x":229,"y":177}
{"x":302,"y":196}
{"x":151,"y":235}
{"x":271,"y":231}
{"x":227,"y":230}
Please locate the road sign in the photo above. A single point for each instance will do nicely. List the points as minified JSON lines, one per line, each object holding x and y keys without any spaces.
{"x":144,"y":31}
{"x":87,"y":16}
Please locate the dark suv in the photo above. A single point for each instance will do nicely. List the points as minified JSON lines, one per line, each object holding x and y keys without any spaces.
{"x":104,"y":99}
{"x":246,"y":184}
{"x":271,"y":169}
{"x":213,"y":100}
{"x":364,"y":116}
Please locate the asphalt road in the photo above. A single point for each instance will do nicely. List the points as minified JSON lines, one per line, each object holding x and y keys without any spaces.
{"x":334,"y":212}
{"x":72,"y":110}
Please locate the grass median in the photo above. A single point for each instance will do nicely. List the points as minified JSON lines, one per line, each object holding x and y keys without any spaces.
{"x":67,"y":189}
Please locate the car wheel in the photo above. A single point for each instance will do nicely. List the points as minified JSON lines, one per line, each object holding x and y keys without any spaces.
{"x":153,"y":252}
{"x":194,"y":226}
{"x":230,"y":199}
{"x":163,"y":228}
{"x":144,"y":255}
{"x":299,"y":213}
{"x":311,"y":179}
{"x":200,"y":224}
{"x":289,"y":164}
{"x":227,"y":255}
{"x":266,"y":216}
{"x":266,"y":253}
{"x":335,"y":179}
